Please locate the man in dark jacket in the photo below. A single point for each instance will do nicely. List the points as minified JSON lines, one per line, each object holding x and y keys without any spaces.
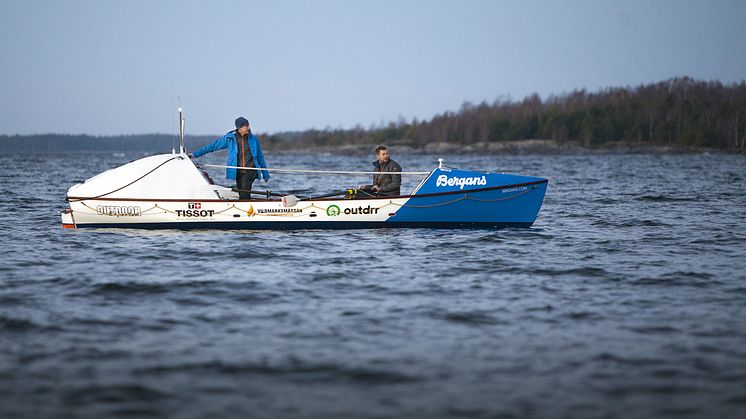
{"x":383,"y":184}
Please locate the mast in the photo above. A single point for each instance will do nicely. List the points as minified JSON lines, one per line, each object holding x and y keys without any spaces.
{"x":182,"y":150}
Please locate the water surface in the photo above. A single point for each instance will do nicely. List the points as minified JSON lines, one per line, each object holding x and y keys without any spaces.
{"x":626,"y":299}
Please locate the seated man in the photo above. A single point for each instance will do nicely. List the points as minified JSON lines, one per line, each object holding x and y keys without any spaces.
{"x":383,"y":184}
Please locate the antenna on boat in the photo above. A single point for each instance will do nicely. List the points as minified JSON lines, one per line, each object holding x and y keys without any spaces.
{"x":440,"y":163}
{"x":181,"y":132}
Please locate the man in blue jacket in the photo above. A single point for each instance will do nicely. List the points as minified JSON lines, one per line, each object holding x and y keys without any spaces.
{"x":243,"y":151}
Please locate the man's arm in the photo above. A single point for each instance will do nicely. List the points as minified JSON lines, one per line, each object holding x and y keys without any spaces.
{"x":216,"y":145}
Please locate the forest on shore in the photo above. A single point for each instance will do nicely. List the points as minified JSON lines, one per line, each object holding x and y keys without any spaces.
{"x":677,"y":114}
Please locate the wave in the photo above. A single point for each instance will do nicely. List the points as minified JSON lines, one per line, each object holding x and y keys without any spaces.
{"x":680,"y":278}
{"x":113,"y":394}
{"x":584,"y":271}
{"x":16,"y":324}
{"x":653,"y":330}
{"x":631,"y":361}
{"x":583,"y":315}
{"x":470,"y":317}
{"x":291,"y":367}
{"x":665,"y":198}
{"x":141,"y":287}
{"x":629,"y":223}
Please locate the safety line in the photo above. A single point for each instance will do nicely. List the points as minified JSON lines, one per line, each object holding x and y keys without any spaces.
{"x":323,"y":172}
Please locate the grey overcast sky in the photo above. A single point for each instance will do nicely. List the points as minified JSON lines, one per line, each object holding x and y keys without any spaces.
{"x":123,"y":67}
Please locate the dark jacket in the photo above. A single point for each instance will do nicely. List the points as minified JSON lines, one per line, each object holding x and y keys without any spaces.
{"x":390,"y":184}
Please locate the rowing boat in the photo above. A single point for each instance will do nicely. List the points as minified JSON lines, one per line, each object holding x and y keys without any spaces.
{"x":170,"y":191}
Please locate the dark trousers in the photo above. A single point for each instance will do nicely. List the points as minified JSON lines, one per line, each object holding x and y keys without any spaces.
{"x":244,"y":180}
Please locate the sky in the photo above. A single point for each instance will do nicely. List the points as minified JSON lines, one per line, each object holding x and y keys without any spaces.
{"x":124,"y":67}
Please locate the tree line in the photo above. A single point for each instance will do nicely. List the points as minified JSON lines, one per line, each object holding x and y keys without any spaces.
{"x":678,"y":112}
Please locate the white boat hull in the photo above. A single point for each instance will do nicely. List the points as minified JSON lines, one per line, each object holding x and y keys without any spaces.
{"x":227,"y":214}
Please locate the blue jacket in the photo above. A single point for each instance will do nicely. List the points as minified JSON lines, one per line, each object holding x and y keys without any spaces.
{"x":229,"y":141}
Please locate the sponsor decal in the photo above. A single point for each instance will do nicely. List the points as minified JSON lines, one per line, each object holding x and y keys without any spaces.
{"x":516,"y":189}
{"x":195,"y":213}
{"x":195,"y":210}
{"x":333,"y":211}
{"x":273,"y":211}
{"x":116,"y":211}
{"x":444,"y":180}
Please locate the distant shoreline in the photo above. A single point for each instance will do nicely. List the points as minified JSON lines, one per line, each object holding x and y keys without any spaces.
{"x":164,"y":143}
{"x":517,"y":147}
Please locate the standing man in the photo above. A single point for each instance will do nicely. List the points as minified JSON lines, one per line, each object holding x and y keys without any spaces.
{"x":383,"y":184}
{"x":243,"y":151}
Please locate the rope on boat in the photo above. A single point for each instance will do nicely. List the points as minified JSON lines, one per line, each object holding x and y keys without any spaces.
{"x":321,"y":172}
{"x":462,"y":198}
{"x":313,"y":205}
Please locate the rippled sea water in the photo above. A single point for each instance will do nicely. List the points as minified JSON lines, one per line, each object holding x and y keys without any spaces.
{"x":627,"y":298}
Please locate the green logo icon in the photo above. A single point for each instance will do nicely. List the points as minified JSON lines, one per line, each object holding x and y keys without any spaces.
{"x":332,"y":210}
